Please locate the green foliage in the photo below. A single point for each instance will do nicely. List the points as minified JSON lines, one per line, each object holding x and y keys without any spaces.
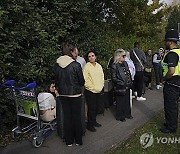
{"x":32,"y":33}
{"x":174,"y":18}
{"x":7,"y":110}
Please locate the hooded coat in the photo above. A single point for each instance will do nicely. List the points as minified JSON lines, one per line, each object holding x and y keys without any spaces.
{"x":68,"y":77}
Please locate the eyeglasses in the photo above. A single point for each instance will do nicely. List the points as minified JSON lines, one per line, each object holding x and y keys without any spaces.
{"x":91,"y":56}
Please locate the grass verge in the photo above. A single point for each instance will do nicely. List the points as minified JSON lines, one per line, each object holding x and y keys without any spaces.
{"x":162,"y":143}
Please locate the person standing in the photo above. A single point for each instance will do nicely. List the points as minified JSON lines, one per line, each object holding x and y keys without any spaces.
{"x":148,"y":69}
{"x":81,"y":60}
{"x":130,"y":63}
{"x":171,"y":79}
{"x":69,"y":81}
{"x":138,"y":57}
{"x":94,"y":83}
{"x":122,"y":80}
{"x":157,"y":57}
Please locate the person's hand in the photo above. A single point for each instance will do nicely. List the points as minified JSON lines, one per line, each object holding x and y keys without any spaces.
{"x":163,"y":81}
{"x":56,"y":93}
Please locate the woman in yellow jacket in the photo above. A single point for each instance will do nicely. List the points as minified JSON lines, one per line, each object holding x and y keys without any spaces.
{"x":94,"y":83}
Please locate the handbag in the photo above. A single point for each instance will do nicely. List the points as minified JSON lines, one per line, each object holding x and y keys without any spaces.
{"x":147,"y":70}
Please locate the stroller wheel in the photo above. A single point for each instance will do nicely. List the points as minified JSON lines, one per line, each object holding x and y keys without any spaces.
{"x":37,"y":141}
{"x":16,"y":132}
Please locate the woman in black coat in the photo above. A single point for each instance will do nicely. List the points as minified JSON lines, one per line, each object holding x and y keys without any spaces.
{"x":122,"y":80}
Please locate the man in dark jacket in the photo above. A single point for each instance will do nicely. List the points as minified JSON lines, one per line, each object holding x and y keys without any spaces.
{"x":69,"y":81}
{"x":157,"y":57}
{"x":138,"y":57}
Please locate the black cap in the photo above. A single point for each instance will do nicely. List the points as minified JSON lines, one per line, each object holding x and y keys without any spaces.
{"x":172,"y":35}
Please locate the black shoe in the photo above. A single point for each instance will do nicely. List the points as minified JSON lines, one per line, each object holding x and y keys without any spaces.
{"x":129,"y":117}
{"x":120,"y":119}
{"x":123,"y":120}
{"x":150,"y":88}
{"x":91,"y":129}
{"x":97,"y":125}
{"x":165,"y":130}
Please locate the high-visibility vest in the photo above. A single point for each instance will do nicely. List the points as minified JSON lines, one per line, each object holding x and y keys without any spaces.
{"x":165,"y":65}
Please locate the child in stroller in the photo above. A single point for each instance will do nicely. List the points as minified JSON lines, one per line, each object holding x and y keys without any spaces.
{"x":47,"y":103}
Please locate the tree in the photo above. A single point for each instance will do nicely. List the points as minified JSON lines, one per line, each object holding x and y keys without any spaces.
{"x":174,"y":18}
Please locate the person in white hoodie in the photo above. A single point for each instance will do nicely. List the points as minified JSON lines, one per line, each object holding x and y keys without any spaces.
{"x":69,"y":81}
{"x":47,"y":102}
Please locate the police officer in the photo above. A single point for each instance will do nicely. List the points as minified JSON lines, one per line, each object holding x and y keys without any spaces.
{"x":171,"y":80}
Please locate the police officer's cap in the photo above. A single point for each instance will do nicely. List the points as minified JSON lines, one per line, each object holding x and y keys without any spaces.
{"x":172,"y":35}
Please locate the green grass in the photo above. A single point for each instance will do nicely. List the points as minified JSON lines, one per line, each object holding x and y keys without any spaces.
{"x":133,"y":146}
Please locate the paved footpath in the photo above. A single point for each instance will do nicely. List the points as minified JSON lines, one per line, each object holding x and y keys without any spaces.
{"x":111,"y":134}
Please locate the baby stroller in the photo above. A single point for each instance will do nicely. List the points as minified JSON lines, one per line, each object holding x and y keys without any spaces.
{"x":27,"y":107}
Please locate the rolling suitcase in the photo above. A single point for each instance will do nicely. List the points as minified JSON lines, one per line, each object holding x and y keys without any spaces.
{"x":108,"y":93}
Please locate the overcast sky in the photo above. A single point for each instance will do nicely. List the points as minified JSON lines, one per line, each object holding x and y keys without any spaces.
{"x":168,"y":1}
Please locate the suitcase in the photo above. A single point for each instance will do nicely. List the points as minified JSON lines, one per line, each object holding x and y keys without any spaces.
{"x":108,"y":93}
{"x":108,"y":99}
{"x":60,"y":118}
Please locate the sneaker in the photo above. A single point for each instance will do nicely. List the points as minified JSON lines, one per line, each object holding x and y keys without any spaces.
{"x":140,"y":98}
{"x":135,"y":93}
{"x":158,"y":86}
{"x":69,"y":145}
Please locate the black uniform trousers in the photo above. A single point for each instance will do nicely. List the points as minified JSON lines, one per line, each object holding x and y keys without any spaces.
{"x":171,"y":96}
{"x":92,"y":100}
{"x":72,"y":119}
{"x":123,"y":109}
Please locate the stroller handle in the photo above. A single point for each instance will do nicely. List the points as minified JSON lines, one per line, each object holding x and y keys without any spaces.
{"x":8,"y":84}
{"x":29,"y":85}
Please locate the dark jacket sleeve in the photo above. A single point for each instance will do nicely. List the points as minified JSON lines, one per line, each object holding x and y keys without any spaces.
{"x":55,"y":75}
{"x":144,"y":60}
{"x":114,"y":76}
